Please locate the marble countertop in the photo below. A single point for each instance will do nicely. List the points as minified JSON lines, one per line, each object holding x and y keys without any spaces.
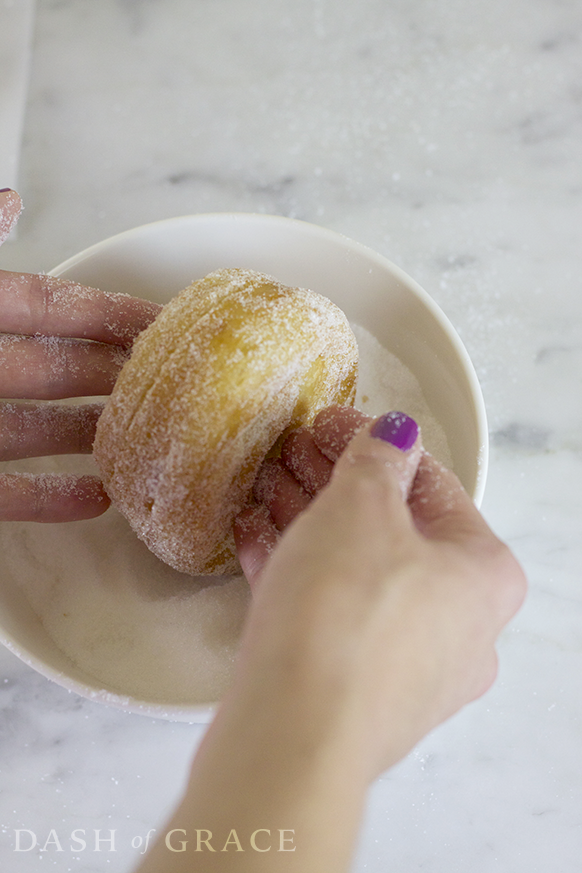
{"x":447,"y":135}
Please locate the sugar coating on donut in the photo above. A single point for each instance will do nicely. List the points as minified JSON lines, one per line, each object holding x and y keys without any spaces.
{"x":229,"y":367}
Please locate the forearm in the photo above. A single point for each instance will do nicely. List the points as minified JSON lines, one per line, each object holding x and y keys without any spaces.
{"x":273,"y":787}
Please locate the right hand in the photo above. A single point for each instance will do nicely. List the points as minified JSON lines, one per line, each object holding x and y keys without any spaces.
{"x":381,"y":612}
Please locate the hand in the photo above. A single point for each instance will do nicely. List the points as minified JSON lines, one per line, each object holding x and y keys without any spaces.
{"x":381,"y":612}
{"x":378,"y":595}
{"x":57,"y":340}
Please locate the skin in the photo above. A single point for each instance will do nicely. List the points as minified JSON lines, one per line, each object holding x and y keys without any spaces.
{"x":378,"y":594}
{"x":57,"y":340}
{"x":376,"y":607}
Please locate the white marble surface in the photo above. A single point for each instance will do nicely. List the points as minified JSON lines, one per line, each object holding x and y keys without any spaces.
{"x":16,"y":27}
{"x":447,"y":135}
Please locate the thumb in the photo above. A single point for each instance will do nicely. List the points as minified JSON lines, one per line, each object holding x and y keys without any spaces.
{"x":375,"y":470}
{"x":394,"y":441}
{"x":359,"y":520}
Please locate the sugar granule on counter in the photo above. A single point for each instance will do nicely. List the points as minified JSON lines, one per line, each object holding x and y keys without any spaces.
{"x":130,"y":622}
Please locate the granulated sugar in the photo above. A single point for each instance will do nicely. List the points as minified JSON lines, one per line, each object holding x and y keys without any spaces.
{"x":129,"y":621}
{"x":385,"y":384}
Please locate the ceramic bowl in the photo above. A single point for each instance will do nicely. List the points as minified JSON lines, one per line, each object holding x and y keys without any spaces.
{"x":158,"y":260}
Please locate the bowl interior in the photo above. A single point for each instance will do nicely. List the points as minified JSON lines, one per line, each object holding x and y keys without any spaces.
{"x":158,"y":260}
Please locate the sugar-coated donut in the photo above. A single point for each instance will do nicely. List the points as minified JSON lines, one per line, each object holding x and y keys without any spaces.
{"x":229,"y":366}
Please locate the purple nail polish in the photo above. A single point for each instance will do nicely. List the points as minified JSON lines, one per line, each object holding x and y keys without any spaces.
{"x":4,"y":190}
{"x":396,"y":428}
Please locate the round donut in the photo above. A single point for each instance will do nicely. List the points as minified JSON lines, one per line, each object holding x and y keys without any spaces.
{"x":227,"y":369}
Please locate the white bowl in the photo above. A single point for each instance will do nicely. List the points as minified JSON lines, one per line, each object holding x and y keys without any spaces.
{"x":158,"y":260}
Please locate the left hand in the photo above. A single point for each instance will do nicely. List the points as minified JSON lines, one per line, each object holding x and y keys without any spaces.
{"x":57,"y":340}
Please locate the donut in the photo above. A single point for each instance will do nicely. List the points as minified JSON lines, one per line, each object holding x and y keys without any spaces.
{"x":229,"y":367}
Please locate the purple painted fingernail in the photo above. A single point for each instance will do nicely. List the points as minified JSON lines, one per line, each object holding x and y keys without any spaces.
{"x":5,"y":190}
{"x":396,"y":428}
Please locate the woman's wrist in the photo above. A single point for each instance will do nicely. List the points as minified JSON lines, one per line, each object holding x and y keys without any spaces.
{"x":273,"y":773}
{"x":288,"y":767}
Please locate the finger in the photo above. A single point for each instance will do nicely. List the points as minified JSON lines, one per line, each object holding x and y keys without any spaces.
{"x":363,"y":504}
{"x":50,"y":497}
{"x":32,"y":431}
{"x":10,"y":209}
{"x":255,"y":536}
{"x":357,"y":524}
{"x":303,"y":458}
{"x":391,"y":442}
{"x":277,"y":488}
{"x":35,"y":305}
{"x":48,"y":368}
{"x":335,"y":426}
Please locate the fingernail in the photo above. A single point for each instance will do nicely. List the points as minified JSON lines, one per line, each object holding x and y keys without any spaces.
{"x":5,"y":190}
{"x":396,"y":428}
